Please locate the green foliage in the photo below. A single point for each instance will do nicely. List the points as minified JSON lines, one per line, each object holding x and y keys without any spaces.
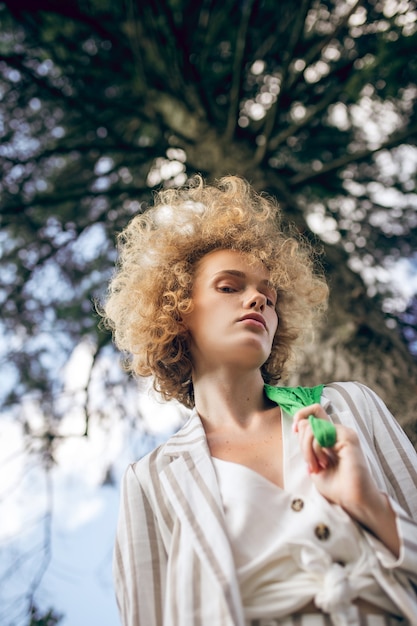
{"x":50,"y":618}
{"x":101,"y":102}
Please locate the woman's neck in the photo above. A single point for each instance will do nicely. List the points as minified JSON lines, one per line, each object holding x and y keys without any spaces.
{"x":230,"y":400}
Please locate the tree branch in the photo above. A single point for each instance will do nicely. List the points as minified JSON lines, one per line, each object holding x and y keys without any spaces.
{"x":288,"y":56}
{"x":314,"y":52}
{"x":74,"y":103}
{"x":311,"y":113}
{"x":133,"y":34}
{"x":396,"y":139}
{"x":49,"y":200}
{"x":237,"y":69}
{"x":68,"y":10}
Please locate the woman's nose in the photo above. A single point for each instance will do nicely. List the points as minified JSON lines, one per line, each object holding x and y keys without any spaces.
{"x":257,"y":301}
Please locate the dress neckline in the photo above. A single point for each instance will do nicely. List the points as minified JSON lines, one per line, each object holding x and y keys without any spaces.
{"x":240,"y":466}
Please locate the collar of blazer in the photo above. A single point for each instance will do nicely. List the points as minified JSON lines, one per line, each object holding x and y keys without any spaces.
{"x":190,"y":438}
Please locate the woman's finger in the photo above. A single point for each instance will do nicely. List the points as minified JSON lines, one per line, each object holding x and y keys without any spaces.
{"x":316,"y":434}
{"x":323,"y":429}
{"x":303,"y":414}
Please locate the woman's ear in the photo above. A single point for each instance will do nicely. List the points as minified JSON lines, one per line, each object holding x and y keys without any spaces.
{"x":183,"y":327}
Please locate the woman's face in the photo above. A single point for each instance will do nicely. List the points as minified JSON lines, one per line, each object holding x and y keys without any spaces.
{"x":233,"y":321}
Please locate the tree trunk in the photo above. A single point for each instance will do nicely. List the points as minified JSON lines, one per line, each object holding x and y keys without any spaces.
{"x":355,"y":343}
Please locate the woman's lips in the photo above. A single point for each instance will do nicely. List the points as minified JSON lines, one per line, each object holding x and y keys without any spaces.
{"x":254,"y":318}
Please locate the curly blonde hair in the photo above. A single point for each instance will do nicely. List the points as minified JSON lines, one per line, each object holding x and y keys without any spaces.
{"x":158,"y":253}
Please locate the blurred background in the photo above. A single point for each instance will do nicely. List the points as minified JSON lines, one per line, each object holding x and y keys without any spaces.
{"x":101,"y":103}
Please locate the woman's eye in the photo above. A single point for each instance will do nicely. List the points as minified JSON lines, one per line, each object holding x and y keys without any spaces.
{"x":226,"y":289}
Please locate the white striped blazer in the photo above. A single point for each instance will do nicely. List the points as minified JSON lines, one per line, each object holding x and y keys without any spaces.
{"x":173,"y":564}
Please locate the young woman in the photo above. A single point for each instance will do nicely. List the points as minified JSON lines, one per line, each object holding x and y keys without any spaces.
{"x":254,"y":513}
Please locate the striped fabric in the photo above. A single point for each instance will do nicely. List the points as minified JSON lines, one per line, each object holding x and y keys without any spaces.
{"x":310,"y":619}
{"x":173,"y":564}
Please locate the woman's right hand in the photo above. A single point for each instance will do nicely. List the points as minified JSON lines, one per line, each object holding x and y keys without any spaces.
{"x":342,"y":476}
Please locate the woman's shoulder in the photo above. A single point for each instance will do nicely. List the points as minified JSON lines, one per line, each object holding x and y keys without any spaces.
{"x":355,"y":405}
{"x":358,"y":406}
{"x":348,"y":394}
{"x":191,"y":431}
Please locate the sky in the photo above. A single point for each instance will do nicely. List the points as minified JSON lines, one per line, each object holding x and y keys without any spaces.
{"x":77,"y":582}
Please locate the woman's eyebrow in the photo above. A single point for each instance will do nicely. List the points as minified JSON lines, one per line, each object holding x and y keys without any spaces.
{"x":241,"y":274}
{"x":232,"y":272}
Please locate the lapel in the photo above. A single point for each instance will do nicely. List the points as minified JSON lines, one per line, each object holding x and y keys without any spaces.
{"x":190,"y":483}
